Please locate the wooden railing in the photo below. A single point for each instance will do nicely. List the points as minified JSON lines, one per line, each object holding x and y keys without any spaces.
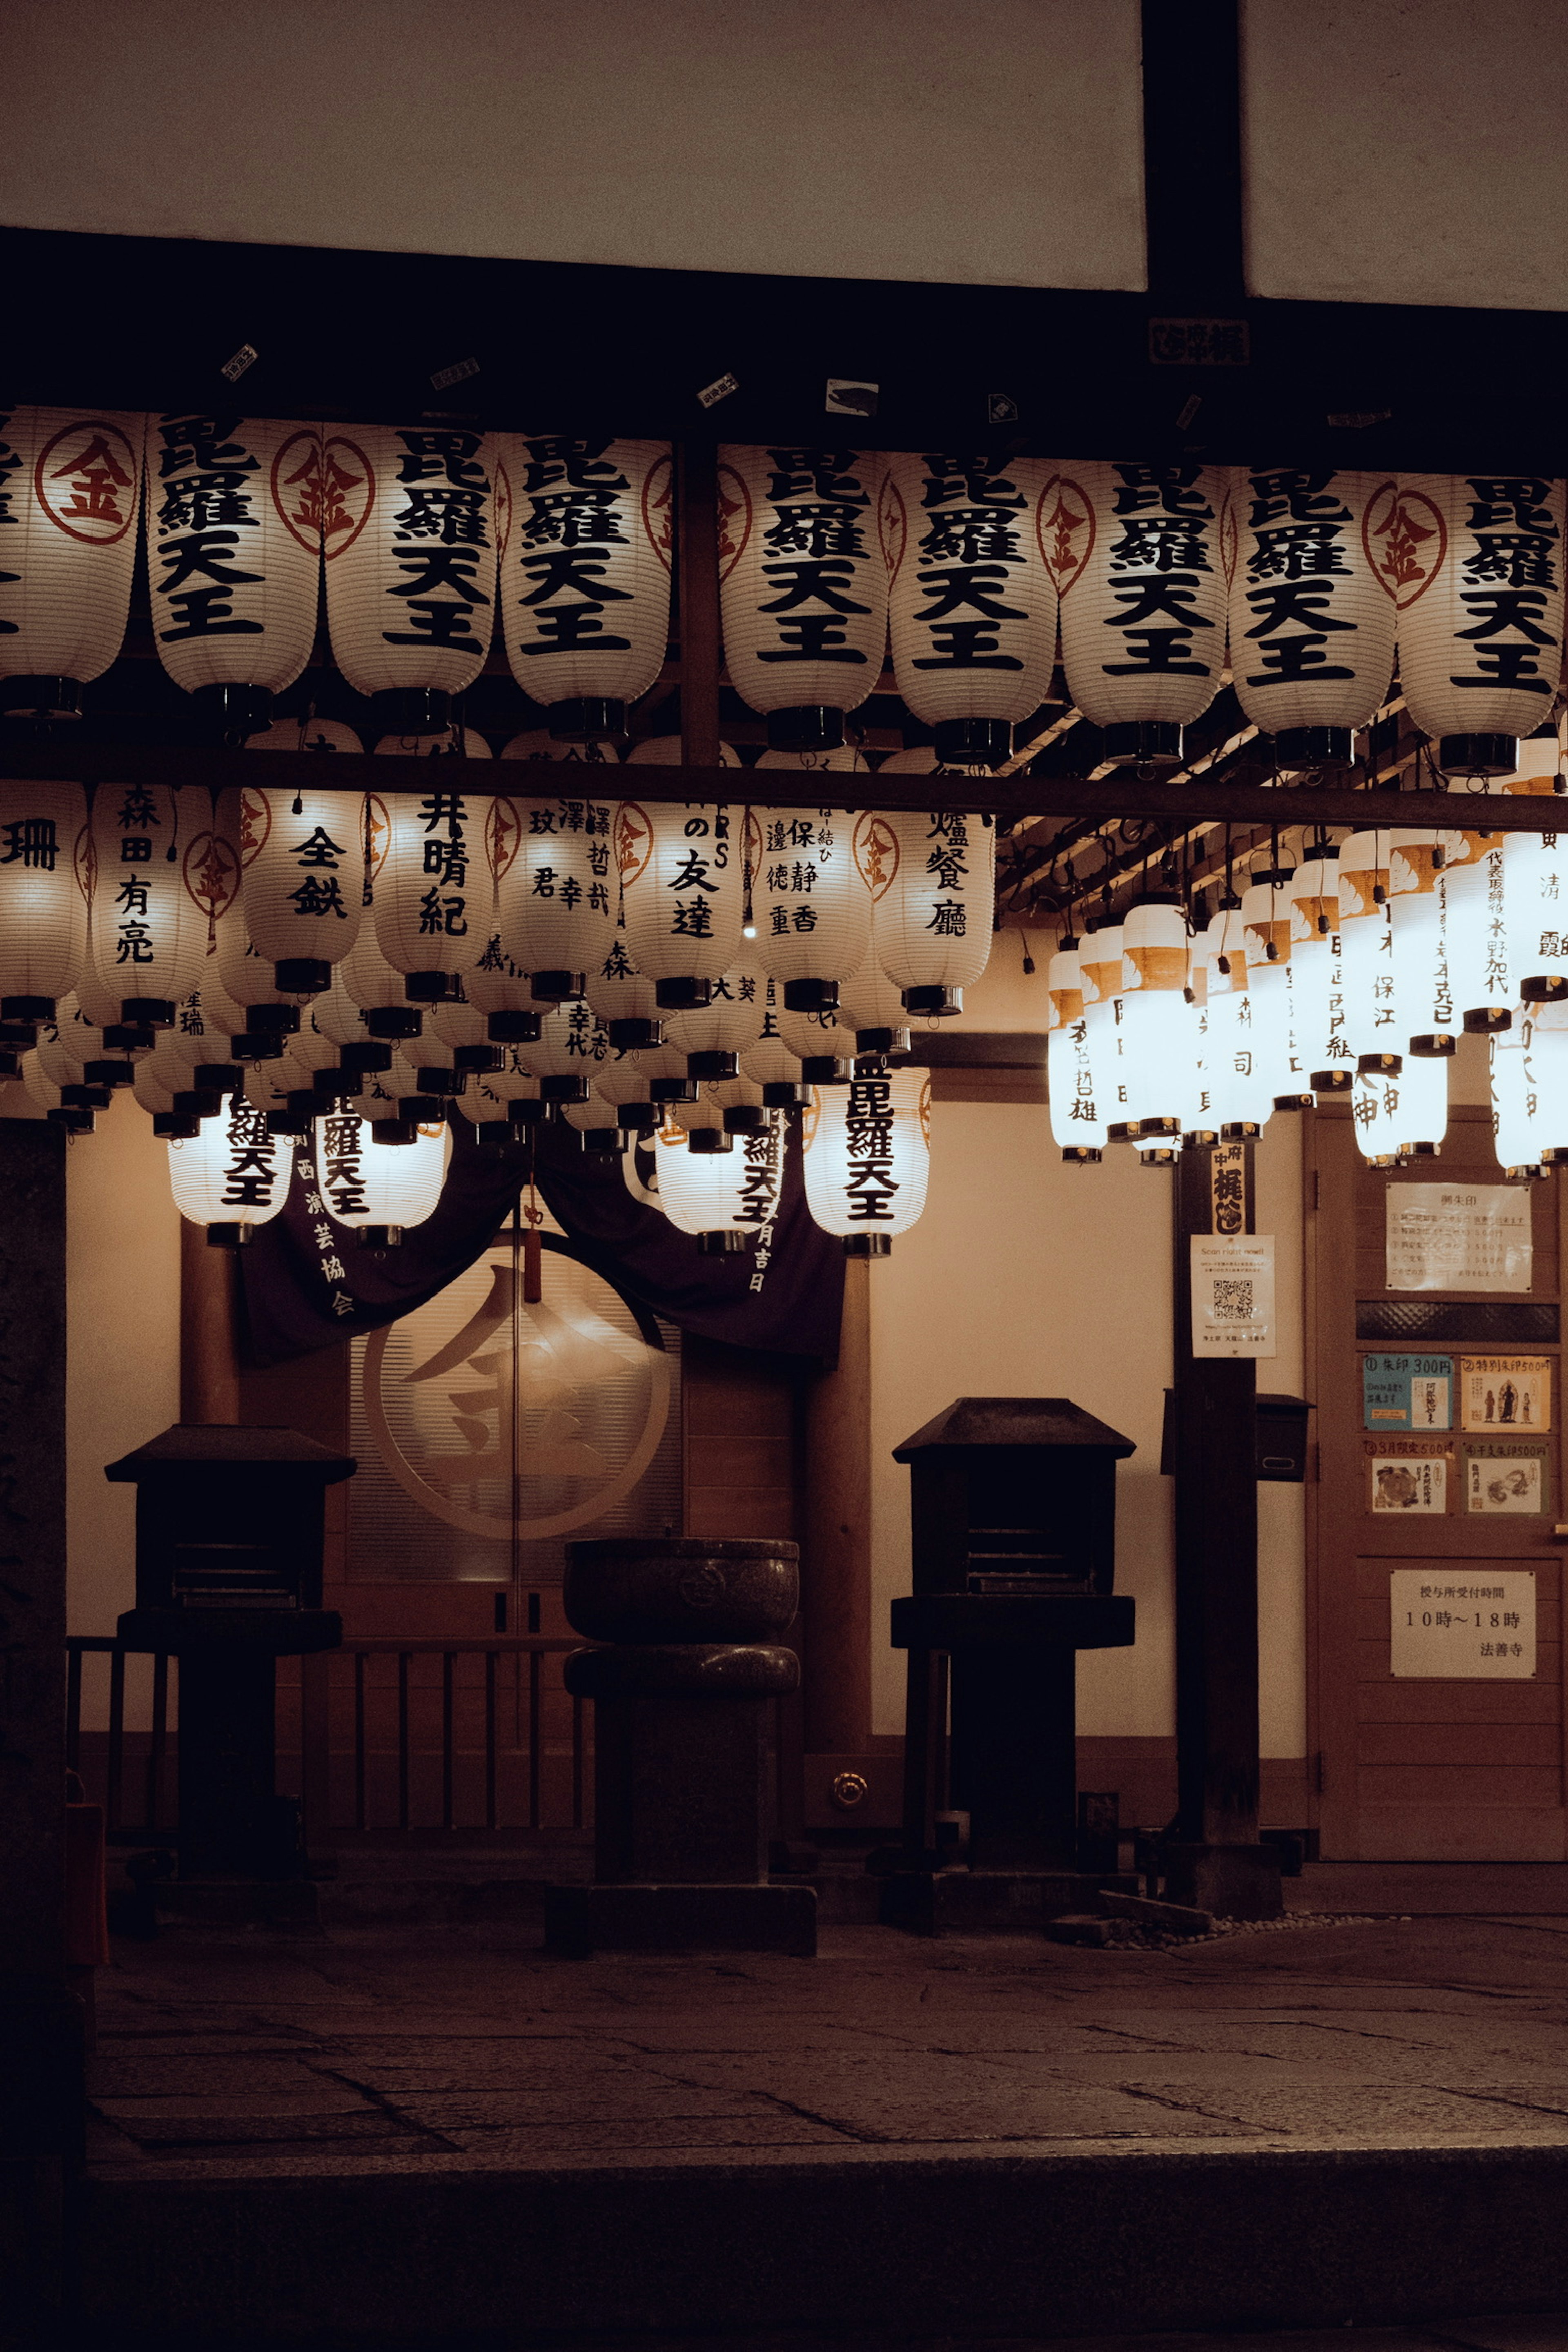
{"x":379,"y":1738}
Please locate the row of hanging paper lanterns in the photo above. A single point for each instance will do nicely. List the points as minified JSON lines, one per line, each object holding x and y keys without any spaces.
{"x":1353,"y":974}
{"x":970,"y":564}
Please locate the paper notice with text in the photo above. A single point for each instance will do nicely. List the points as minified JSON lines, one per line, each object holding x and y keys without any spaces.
{"x":1458,"y":1237}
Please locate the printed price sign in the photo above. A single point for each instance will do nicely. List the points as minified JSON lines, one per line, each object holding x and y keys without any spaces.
{"x":1474,"y":1626}
{"x":1233,"y":1294}
{"x":1407,"y":1475}
{"x":1408,"y":1392}
{"x":1508,"y":1475}
{"x":1506,"y":1392}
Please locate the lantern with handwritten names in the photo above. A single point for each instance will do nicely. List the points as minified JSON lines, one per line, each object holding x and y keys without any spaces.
{"x":1078,"y":1126}
{"x":556,"y":898}
{"x":45,"y":881}
{"x":148,"y":928}
{"x":682,"y":880}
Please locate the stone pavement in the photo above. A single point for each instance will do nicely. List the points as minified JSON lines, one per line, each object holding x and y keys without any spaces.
{"x":412,"y":2128}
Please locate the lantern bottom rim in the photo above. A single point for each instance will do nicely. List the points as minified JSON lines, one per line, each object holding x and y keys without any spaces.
{"x":806,"y":726}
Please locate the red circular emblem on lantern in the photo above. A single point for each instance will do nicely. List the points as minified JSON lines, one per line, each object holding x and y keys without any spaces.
{"x":85,"y":481}
{"x":892,"y":526}
{"x":1406,"y":539}
{"x":734,"y":519}
{"x":1064,"y":529}
{"x":297,"y":488}
{"x":503,"y":507}
{"x":502,"y":835}
{"x":633,"y":841}
{"x":874,"y":849}
{"x":659,"y":508}
{"x":348,"y":493}
{"x":255,"y":824}
{"x":211,"y":876}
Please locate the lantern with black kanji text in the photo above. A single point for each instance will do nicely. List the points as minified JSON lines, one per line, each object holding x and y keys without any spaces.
{"x":426,"y":879}
{"x":303,"y":883}
{"x":1141,"y":555}
{"x":234,"y":548}
{"x":572,"y":1049}
{"x":555,"y":893}
{"x":233,"y":1176}
{"x":69,"y":483}
{"x":867,"y":1158}
{"x":931,"y":874}
{"x":148,"y":927}
{"x":585,"y":531}
{"x":972,"y":607}
{"x":811,"y":899}
{"x":804,"y":586}
{"x":683,"y":895}
{"x":378,"y":1190}
{"x":407,"y":533}
{"x":45,"y":881}
{"x":1078,"y":1124}
{"x":1475,"y":564}
{"x":1312,"y":615}
{"x":722,"y":1188}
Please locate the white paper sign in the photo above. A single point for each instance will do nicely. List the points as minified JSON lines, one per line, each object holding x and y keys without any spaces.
{"x":1458,"y":1237}
{"x":1233,"y":1294}
{"x":1463,"y":1623}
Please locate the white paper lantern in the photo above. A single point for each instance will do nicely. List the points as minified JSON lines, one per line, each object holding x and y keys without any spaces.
{"x":45,"y":883}
{"x":1316,"y":975}
{"x":503,"y":992}
{"x":766,"y":1059}
{"x":70,"y":484}
{"x":1139,"y":557}
{"x":379,"y":1189}
{"x":620,"y":994}
{"x":1158,"y":1032}
{"x":683,"y":894}
{"x":1374,"y":1108}
{"x":867,"y":1158}
{"x":306,"y":734}
{"x":491,"y":1094}
{"x":1419,"y":945}
{"x":408,"y":535}
{"x":431,"y":891}
{"x":587,"y":538}
{"x":572,"y":1049}
{"x":1366,"y":940}
{"x":148,"y":923}
{"x":205,"y":1023}
{"x":872,"y":1009}
{"x":1312,"y":615}
{"x":1474,"y":563}
{"x":234,"y":1175}
{"x":1077,"y":1122}
{"x":1100,"y":975}
{"x":1535,"y":885}
{"x":1266,"y":926}
{"x":973,"y":608}
{"x":451,"y":743}
{"x":1237,"y":1067}
{"x":1420,"y":1111}
{"x":721,"y":1030}
{"x":555,"y":893}
{"x":303,"y":880}
{"x":803,"y":585}
{"x":811,"y":899}
{"x":1478,"y":933}
{"x":734,"y":1191}
{"x":234,"y":550}
{"x":931,"y":877}
{"x":1515,"y":1135}
{"x":68,"y":1044}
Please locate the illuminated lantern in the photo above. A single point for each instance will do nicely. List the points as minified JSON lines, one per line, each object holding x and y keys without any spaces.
{"x":769,"y":1061}
{"x":1424,"y":1016}
{"x":206,"y":1023}
{"x":538,"y":743}
{"x":714,"y":1036}
{"x":1312,"y":614}
{"x":462,"y":1028}
{"x":407,"y":532}
{"x":724,"y":1194}
{"x":572,"y":1049}
{"x":503,"y":992}
{"x":48,"y":1099}
{"x":1158,"y":1032}
{"x":149,"y":931}
{"x":1238,"y":1078}
{"x":234,"y":554}
{"x":72,"y":1050}
{"x":1535,"y":885}
{"x":306,"y":734}
{"x":68,"y":489}
{"x":872,"y":1006}
{"x":971,"y":607}
{"x":1366,"y":941}
{"x":1475,"y":931}
{"x":1100,"y":977}
{"x":507,"y":1098}
{"x":431,"y":913}
{"x":867,"y":1157}
{"x":233,"y":1176}
{"x":931,"y":877}
{"x":1266,"y":943}
{"x":1075,"y":1121}
{"x":1374,"y":1108}
{"x":156,"y":1093}
{"x":1317,"y":978}
{"x":1139,"y":557}
{"x":1475,"y":564}
{"x":595,"y":1122}
{"x":810,"y":899}
{"x":1515,"y":1137}
{"x":804,"y":586}
{"x":45,"y":881}
{"x":1421,"y":1105}
{"x":645,"y":1086}
{"x":586,"y":535}
{"x":343,"y":1022}
{"x":624,"y":998}
{"x":683,"y":894}
{"x":379,"y":1190}
{"x":302,"y":885}
{"x":455,"y":743}
{"x":556,"y":898}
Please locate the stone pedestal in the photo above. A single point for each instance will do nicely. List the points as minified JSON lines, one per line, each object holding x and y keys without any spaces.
{"x":1233,"y":1881}
{"x":681,"y":1751}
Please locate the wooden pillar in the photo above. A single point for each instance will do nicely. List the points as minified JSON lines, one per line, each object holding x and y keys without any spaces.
{"x":40,"y":2023}
{"x":209,"y":1324}
{"x":836,"y":1549}
{"x":1219,"y":1863}
{"x":700,"y":642}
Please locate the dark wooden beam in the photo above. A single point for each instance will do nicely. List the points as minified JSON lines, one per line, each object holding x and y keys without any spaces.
{"x":1197,"y":800}
{"x":701,"y":646}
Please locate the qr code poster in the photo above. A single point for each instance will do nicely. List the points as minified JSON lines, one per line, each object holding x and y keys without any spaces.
{"x":1233,"y":1295}
{"x":1505,"y":1392}
{"x":1508,"y":1475}
{"x":1411,"y":1479}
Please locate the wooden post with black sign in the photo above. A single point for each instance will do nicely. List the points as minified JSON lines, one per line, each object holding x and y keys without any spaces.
{"x":1216,"y":1861}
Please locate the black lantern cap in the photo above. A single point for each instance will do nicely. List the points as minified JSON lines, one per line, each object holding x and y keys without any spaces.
{"x":868,"y":1246}
{"x":785,"y":1093}
{"x":973,"y":743}
{"x":26,"y":1008}
{"x":587,"y":718}
{"x":712,"y":1066}
{"x":107,"y":1074}
{"x":428,"y":988}
{"x":395,"y":1130}
{"x":564,"y":1090}
{"x":826,"y":1070}
{"x":275,"y":1020}
{"x":1478,"y":755}
{"x":391,"y":1021}
{"x":1149,"y":742}
{"x":634,"y":1037}
{"x":481,"y":1059}
{"x":218,"y":1077}
{"x":668,"y":1090}
{"x":724,"y":1241}
{"x":556,"y":987}
{"x":412,"y":710}
{"x":527,"y":1111}
{"x":707,"y":1143}
{"x":174,"y":1126}
{"x":1015,"y":1421}
{"x":1314,"y":747}
{"x":638,"y":1119}
{"x":811,"y":995}
{"x":513,"y":1028}
{"x":366,"y":1058}
{"x":806,"y":726}
{"x":603,"y":1138}
{"x":750,"y":1119}
{"x":207,"y":1446}
{"x":682,"y":995}
{"x":932,"y":1003}
{"x":302,"y":975}
{"x":38,"y":696}
{"x":234,"y":711}
{"x":255,"y":1045}
{"x":152,"y":1012}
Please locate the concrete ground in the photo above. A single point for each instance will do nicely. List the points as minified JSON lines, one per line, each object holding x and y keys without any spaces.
{"x":398,"y":2129}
